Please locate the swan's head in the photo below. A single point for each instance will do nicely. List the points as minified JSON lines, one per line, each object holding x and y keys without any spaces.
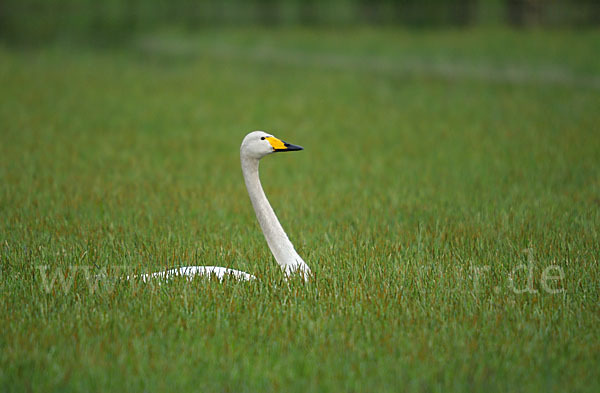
{"x":258,"y":144}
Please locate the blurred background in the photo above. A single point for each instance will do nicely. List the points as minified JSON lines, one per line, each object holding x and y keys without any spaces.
{"x":39,"y":21}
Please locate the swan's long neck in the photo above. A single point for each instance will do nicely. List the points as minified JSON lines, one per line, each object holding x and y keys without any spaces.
{"x":280,"y":245}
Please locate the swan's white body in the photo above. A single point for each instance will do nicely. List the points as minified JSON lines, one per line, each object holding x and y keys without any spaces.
{"x":192,"y":271}
{"x":255,"y":146}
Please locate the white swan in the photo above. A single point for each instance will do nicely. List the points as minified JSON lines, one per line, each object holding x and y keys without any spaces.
{"x":255,"y":146}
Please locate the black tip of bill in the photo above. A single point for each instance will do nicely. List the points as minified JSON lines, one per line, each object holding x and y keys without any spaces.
{"x":290,"y":147}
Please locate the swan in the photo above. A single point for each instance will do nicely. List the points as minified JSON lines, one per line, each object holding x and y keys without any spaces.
{"x":255,"y":146}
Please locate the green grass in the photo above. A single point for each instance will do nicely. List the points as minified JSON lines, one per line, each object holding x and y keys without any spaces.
{"x":428,"y":159}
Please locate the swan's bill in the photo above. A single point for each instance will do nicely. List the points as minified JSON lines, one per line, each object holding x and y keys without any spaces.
{"x":279,"y":145}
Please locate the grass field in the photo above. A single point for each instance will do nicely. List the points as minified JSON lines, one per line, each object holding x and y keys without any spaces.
{"x":448,"y":202}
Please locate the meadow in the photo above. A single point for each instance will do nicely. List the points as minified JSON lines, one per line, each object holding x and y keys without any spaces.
{"x":447,"y":201}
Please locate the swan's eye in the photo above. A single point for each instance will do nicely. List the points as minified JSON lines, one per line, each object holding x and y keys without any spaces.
{"x":262,"y":138}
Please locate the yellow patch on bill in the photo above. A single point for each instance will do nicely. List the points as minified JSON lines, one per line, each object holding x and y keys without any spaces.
{"x":276,"y":143}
